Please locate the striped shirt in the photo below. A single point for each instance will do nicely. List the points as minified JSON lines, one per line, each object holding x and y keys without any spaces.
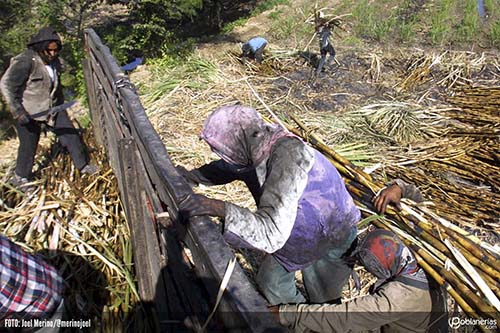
{"x":29,"y":287}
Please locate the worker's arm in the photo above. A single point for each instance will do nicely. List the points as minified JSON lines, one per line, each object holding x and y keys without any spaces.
{"x":214,"y":173}
{"x":393,"y":302}
{"x":270,"y":226}
{"x":393,"y":193}
{"x":13,"y":84}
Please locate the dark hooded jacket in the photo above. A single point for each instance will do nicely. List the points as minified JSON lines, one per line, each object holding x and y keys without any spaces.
{"x":26,"y":84}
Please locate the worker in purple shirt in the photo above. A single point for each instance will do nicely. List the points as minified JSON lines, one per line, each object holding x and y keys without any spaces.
{"x":305,"y":218}
{"x":254,"y":48}
{"x":30,"y":288}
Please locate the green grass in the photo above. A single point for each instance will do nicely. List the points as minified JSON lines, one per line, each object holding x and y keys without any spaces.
{"x":494,"y":34}
{"x":492,"y":8}
{"x":172,"y":72}
{"x":469,"y":27}
{"x":436,"y":22}
{"x":261,"y":7}
{"x":440,"y":22}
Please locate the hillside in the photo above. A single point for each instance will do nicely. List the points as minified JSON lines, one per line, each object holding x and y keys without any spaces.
{"x":394,"y":105}
{"x":426,"y":114}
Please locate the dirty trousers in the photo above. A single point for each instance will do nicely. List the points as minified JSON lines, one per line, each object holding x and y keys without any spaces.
{"x":323,"y":280}
{"x":29,"y":135}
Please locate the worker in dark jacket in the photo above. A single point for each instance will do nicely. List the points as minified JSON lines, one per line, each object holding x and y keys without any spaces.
{"x":254,"y":49}
{"x":323,"y":29}
{"x":31,"y":86}
{"x":30,"y":288}
{"x":305,"y":218}
{"x":403,"y":299}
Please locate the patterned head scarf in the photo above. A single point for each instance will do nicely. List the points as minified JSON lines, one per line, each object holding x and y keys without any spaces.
{"x":239,"y":136}
{"x":384,"y":255}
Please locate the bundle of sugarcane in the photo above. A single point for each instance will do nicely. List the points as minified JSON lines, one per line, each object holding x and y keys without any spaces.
{"x":440,"y":245}
{"x":77,"y":223}
{"x":418,"y":73}
{"x":477,"y":106}
{"x":459,"y":175}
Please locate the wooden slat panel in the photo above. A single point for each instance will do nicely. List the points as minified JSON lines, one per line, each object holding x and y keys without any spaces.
{"x":242,"y":308}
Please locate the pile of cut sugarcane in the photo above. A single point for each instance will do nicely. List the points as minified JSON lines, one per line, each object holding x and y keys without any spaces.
{"x":466,"y":266}
{"x":77,"y":223}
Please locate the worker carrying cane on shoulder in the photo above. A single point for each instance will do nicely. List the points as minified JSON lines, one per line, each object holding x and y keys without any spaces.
{"x":323,"y":29}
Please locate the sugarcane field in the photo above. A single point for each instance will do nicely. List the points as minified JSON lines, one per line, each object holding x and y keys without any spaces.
{"x":120,"y":205}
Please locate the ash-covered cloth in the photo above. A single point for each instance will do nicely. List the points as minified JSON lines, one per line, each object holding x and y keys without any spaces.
{"x":239,"y":136}
{"x":409,"y":191}
{"x":303,"y":207}
{"x":384,"y":255}
{"x":394,"y":307}
{"x":30,"y":287}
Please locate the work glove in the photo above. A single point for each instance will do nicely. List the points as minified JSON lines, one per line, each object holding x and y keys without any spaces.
{"x":23,"y":118}
{"x":188,"y":176}
{"x":199,"y":205}
{"x":389,"y":195}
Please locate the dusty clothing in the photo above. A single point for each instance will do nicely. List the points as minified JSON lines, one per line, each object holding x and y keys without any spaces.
{"x":303,"y":208}
{"x":409,"y":191}
{"x":303,"y":205}
{"x":31,"y":85}
{"x":403,"y":300}
{"x":254,"y":48}
{"x":395,"y":306}
{"x":27,"y":85}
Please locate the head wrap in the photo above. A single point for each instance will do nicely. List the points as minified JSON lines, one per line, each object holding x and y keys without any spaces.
{"x":384,"y":255}
{"x":239,"y":136}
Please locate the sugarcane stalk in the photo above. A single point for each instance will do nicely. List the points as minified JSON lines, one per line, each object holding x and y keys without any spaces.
{"x":429,"y":236}
{"x":474,"y":275}
{"x":469,"y":245}
{"x":460,"y":231}
{"x":357,"y":174}
{"x":473,"y":298}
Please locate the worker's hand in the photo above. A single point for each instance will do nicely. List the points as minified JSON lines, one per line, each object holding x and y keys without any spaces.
{"x":23,"y":118}
{"x":199,"y":205}
{"x":389,"y":195}
{"x":275,"y":311}
{"x":188,"y":176}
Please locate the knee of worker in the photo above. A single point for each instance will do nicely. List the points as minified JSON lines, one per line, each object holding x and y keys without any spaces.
{"x":72,"y":142}
{"x":277,"y":284}
{"x":277,"y":291}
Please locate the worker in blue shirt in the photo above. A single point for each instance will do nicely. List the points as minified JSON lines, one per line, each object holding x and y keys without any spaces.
{"x":254,"y":48}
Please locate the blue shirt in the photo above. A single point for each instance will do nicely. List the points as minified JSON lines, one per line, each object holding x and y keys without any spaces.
{"x":256,"y":43}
